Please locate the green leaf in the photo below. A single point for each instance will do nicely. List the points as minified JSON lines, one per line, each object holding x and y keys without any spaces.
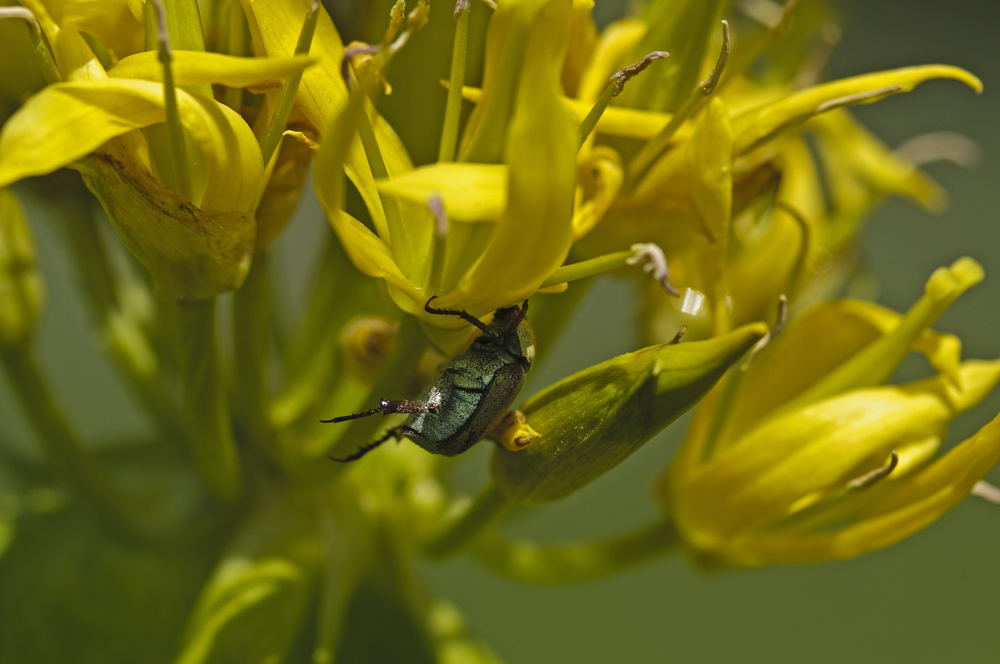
{"x":593,"y":420}
{"x":253,"y":607}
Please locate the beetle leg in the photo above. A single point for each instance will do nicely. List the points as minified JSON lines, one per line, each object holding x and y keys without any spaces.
{"x":396,"y":433}
{"x":389,"y":406}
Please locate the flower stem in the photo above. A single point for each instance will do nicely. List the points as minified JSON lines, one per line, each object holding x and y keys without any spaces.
{"x":574,"y":563}
{"x":236,"y":37}
{"x":453,"y":107}
{"x":251,"y":348}
{"x":276,"y":126}
{"x":205,"y":405}
{"x":483,"y":512}
{"x":60,"y":444}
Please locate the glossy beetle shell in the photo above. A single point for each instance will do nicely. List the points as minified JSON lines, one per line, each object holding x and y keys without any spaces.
{"x":472,"y":392}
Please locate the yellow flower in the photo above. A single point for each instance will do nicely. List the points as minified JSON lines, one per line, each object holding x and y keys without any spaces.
{"x":195,"y":244}
{"x":805,"y":456}
{"x":488,"y":230}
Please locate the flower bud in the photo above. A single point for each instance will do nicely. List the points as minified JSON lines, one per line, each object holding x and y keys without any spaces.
{"x":21,"y":292}
{"x":591,"y":421}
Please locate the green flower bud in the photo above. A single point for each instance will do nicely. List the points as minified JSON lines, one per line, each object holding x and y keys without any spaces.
{"x":591,"y":421}
{"x":21,"y":292}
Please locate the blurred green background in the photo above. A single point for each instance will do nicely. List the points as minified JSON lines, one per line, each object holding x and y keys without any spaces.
{"x":931,"y":598}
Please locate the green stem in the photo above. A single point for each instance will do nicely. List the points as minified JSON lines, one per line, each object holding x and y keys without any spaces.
{"x":279,"y":120}
{"x":42,"y":52}
{"x":251,"y":350}
{"x":588,"y":268}
{"x":205,"y":405}
{"x":173,"y":170}
{"x":574,"y":563}
{"x":61,"y":446}
{"x":482,"y":513}
{"x":589,"y":122}
{"x":453,"y":106}
{"x":125,"y":337}
{"x":235,"y":45}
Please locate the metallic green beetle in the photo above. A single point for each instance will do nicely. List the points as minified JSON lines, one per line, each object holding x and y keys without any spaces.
{"x":470,"y":394}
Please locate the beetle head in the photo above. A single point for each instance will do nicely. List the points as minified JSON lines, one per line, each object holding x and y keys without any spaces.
{"x":513,"y":331}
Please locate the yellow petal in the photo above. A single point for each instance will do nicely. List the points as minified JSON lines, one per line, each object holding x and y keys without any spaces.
{"x":193,"y":68}
{"x":869,"y":158}
{"x":111,"y":22}
{"x":367,"y":251}
{"x":916,"y":502}
{"x":534,"y":233}
{"x":67,"y":121}
{"x":757,"y":480}
{"x":756,"y":126}
{"x":471,"y":192}
{"x":191,"y":253}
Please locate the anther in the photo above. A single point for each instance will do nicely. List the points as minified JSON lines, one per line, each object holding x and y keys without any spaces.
{"x":462,"y":6}
{"x":623,"y":75}
{"x":677,"y":337}
{"x":877,"y":475}
{"x":986,"y":491}
{"x":655,"y":263}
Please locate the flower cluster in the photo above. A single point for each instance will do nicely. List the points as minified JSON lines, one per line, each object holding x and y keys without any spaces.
{"x":695,"y":140}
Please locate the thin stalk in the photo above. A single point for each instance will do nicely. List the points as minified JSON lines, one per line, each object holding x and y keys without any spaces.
{"x":42,"y":53}
{"x":482,"y":513}
{"x":60,"y":444}
{"x":176,"y":174}
{"x":276,"y":126}
{"x":205,"y":405}
{"x":575,"y":563}
{"x":453,"y":106}
{"x":701,"y":93}
{"x":126,"y":340}
{"x":251,"y":348}
{"x":236,"y":44}
{"x":614,"y":88}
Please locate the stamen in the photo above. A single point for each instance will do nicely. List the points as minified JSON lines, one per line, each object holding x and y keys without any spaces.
{"x":656,"y":264}
{"x":677,"y":337}
{"x":462,"y":6}
{"x":859,"y":98}
{"x":941,"y":146}
{"x":282,"y":111}
{"x":656,"y":147}
{"x":349,"y":54}
{"x":771,"y":334}
{"x":869,"y":479}
{"x":986,"y":491}
{"x":179,"y":172}
{"x":614,"y":88}
{"x":708,"y":85}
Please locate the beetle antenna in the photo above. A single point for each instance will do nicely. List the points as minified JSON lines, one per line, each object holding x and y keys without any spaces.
{"x":518,"y":318}
{"x":464,"y":315}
